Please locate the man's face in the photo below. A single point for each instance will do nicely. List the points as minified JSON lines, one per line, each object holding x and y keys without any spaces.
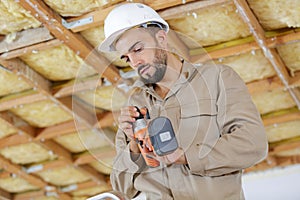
{"x":142,"y":52}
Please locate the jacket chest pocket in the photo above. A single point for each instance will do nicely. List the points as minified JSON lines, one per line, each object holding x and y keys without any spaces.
{"x":198,"y":124}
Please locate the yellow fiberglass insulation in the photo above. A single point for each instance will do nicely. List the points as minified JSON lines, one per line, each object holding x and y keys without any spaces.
{"x":276,"y":14}
{"x":58,"y":63}
{"x":75,"y":7}
{"x":42,"y":114}
{"x":250,"y":66}
{"x":14,"y":18}
{"x":212,"y":25}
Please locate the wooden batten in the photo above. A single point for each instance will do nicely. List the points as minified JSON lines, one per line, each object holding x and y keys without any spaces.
{"x":60,"y":129}
{"x":53,"y":22}
{"x":15,"y":169}
{"x":5,"y":195}
{"x":25,"y":38}
{"x":30,"y":49}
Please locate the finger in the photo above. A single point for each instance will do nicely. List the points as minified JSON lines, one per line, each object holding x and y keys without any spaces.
{"x":129,"y":111}
{"x":125,"y":118}
{"x":127,"y":129}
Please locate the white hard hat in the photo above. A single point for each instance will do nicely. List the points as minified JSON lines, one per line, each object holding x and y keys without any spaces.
{"x":125,"y":17}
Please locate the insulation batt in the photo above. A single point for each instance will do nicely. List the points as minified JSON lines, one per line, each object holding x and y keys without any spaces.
{"x":212,"y":25}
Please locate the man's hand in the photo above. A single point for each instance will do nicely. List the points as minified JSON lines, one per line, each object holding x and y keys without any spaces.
{"x":177,"y":157}
{"x":126,"y":118}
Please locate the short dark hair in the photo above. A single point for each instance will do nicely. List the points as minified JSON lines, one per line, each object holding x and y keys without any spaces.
{"x":152,"y":27}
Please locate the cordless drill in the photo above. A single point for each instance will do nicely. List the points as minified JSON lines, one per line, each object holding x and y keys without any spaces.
{"x":158,"y":136}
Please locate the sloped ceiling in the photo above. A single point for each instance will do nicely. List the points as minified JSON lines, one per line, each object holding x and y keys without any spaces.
{"x":59,"y":96}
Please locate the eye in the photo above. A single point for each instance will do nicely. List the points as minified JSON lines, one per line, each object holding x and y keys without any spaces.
{"x":138,"y":49}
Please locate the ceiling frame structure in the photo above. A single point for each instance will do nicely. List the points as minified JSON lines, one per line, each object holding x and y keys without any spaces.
{"x":54,"y":33}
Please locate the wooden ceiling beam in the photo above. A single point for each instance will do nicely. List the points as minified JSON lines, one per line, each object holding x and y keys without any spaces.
{"x":29,"y":49}
{"x":58,"y":130}
{"x":220,"y":53}
{"x":264,"y":85}
{"x":97,"y":17}
{"x":42,"y":86}
{"x":80,"y":186}
{"x":281,"y":118}
{"x":41,"y":194}
{"x":4,"y":195}
{"x":15,"y":139}
{"x":94,"y":155}
{"x":82,"y":116}
{"x":17,"y":170}
{"x":107,"y":119}
{"x":34,"y":168}
{"x":183,"y":9}
{"x":93,"y":173}
{"x":57,"y":150}
{"x":285,"y":147}
{"x":25,"y":38}
{"x":12,"y":101}
{"x":78,"y":85}
{"x":283,"y":39}
{"x":159,"y":4}
{"x":198,"y":56}
{"x":5,"y":174}
{"x":30,"y":76}
{"x":29,"y":195}
{"x":17,"y":123}
{"x":270,"y":53}
{"x":74,"y":41}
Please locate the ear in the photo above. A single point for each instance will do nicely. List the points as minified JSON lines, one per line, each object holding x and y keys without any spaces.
{"x":161,"y":38}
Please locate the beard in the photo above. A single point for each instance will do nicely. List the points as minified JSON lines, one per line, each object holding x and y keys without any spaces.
{"x":159,"y":65}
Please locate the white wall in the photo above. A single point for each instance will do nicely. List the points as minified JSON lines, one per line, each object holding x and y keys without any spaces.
{"x":275,"y":184}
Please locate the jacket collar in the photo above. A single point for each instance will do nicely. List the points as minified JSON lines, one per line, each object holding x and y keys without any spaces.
{"x":187,"y":74}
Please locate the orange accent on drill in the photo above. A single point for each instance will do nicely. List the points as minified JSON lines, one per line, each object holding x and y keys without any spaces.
{"x":144,"y":143}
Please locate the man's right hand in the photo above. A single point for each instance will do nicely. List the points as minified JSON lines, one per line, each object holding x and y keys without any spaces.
{"x":126,"y":118}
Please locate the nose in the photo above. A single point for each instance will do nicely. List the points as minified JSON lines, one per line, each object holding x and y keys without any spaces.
{"x":134,"y":60}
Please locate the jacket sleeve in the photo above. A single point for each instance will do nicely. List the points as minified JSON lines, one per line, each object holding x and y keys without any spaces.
{"x":126,"y":167}
{"x":242,"y":142}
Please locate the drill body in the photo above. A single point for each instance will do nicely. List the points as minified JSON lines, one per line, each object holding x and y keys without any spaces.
{"x":144,"y":143}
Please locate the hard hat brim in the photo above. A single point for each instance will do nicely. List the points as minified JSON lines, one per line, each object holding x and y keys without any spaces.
{"x":106,"y":45}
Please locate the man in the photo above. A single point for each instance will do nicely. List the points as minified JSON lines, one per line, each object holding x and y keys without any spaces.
{"x":218,"y":128}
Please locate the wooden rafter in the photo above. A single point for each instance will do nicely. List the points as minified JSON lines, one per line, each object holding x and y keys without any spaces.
{"x":30,"y":76}
{"x":48,"y":165}
{"x":281,"y":118}
{"x":74,"y":41}
{"x":41,"y":194}
{"x":98,"y":16}
{"x":16,"y":169}
{"x":182,"y":10}
{"x":30,"y":49}
{"x":271,"y":54}
{"x":107,"y":119}
{"x":21,"y":99}
{"x":42,"y":86}
{"x":5,"y":195}
{"x":78,"y":85}
{"x":26,"y":38}
{"x":58,"y":130}
{"x":197,"y":55}
{"x":94,"y":155}
{"x":23,"y":137}
{"x":264,"y":85}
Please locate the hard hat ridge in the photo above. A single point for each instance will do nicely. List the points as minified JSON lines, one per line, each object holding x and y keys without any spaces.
{"x":127,"y":16}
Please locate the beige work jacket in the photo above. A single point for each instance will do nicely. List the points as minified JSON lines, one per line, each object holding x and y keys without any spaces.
{"x":217,"y":126}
